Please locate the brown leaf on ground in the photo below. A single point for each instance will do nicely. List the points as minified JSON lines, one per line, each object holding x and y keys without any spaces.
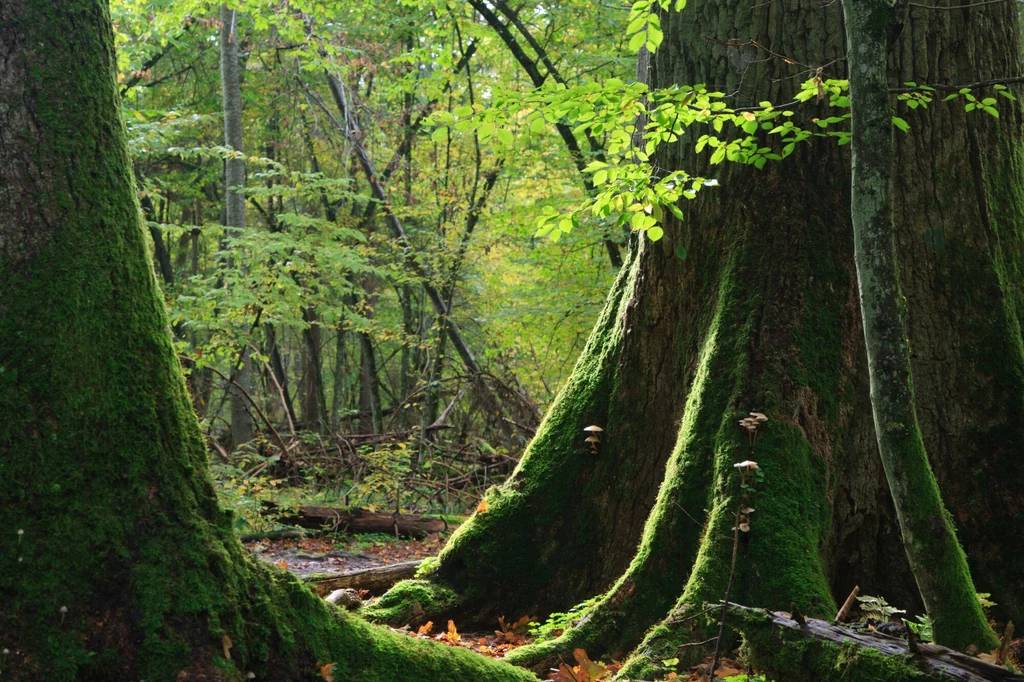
{"x":327,"y":671}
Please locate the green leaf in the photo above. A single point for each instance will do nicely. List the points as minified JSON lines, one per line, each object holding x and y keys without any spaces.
{"x":600,"y":177}
{"x":900,"y":123}
{"x":463,"y":112}
{"x":681,"y":252}
{"x":637,"y":41}
{"x":637,"y":24}
{"x":655,"y":233}
{"x":440,"y":136}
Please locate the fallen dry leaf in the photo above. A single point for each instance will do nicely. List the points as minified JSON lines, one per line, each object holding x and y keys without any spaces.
{"x":327,"y":671}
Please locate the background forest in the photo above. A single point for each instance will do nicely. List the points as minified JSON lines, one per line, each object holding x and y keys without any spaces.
{"x":314,"y":349}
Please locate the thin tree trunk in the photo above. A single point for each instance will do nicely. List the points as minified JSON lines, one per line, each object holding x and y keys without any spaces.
{"x":313,"y":401}
{"x":277,"y":367}
{"x":936,"y":558}
{"x":340,"y":378}
{"x":234,"y":181}
{"x":369,"y":392}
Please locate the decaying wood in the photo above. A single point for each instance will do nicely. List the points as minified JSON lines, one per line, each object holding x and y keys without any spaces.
{"x":937,"y":662}
{"x":844,"y":610}
{"x":359,"y":520}
{"x":374,"y":580}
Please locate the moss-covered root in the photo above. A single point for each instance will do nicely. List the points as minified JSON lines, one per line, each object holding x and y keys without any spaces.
{"x":369,"y":653}
{"x":778,"y":559}
{"x":672,"y":533}
{"x":411,"y":602}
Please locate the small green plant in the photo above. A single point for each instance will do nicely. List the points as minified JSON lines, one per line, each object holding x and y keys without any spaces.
{"x":986,"y":603}
{"x":244,"y":492}
{"x":922,"y":628}
{"x":363,"y":541}
{"x":556,"y":623}
{"x":878,"y":608}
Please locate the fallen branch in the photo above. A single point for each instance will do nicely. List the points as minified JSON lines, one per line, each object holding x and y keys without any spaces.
{"x":773,"y":638}
{"x":320,"y":517}
{"x":374,"y":580}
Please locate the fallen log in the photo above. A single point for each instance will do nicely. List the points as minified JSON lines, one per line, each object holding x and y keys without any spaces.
{"x":374,"y":580}
{"x":785,"y":649}
{"x":321,"y":517}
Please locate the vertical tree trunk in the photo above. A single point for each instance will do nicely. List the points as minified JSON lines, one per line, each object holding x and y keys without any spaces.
{"x":340,"y":378}
{"x":935,"y":556}
{"x":234,"y":181}
{"x":313,"y":400}
{"x":369,"y":390}
{"x":123,"y":567}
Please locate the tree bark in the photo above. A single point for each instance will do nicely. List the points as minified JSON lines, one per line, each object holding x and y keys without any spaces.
{"x":123,"y":566}
{"x":763,"y":315}
{"x":234,"y":203}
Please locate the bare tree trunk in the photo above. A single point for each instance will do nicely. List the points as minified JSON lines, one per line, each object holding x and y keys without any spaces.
{"x":369,"y":392}
{"x":313,"y":400}
{"x":234,"y":177}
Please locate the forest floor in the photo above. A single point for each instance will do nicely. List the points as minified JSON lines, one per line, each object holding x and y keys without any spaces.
{"x":341,"y":554}
{"x":336,"y":555}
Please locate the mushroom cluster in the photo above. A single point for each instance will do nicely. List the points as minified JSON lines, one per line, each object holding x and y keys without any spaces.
{"x":750,"y":425}
{"x":593,"y":436}
{"x":743,"y":519}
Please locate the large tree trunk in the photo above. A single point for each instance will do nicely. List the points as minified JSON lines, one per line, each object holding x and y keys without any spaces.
{"x":763,"y":315}
{"x":116,"y":562}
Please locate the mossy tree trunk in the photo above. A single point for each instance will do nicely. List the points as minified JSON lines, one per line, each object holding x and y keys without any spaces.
{"x":936,"y":558}
{"x":763,"y":315}
{"x":116,"y":562}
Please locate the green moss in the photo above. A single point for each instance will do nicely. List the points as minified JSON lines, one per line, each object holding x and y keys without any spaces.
{"x":784,"y":655}
{"x":779,"y":560}
{"x":408,"y":602}
{"x":672,"y":532}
